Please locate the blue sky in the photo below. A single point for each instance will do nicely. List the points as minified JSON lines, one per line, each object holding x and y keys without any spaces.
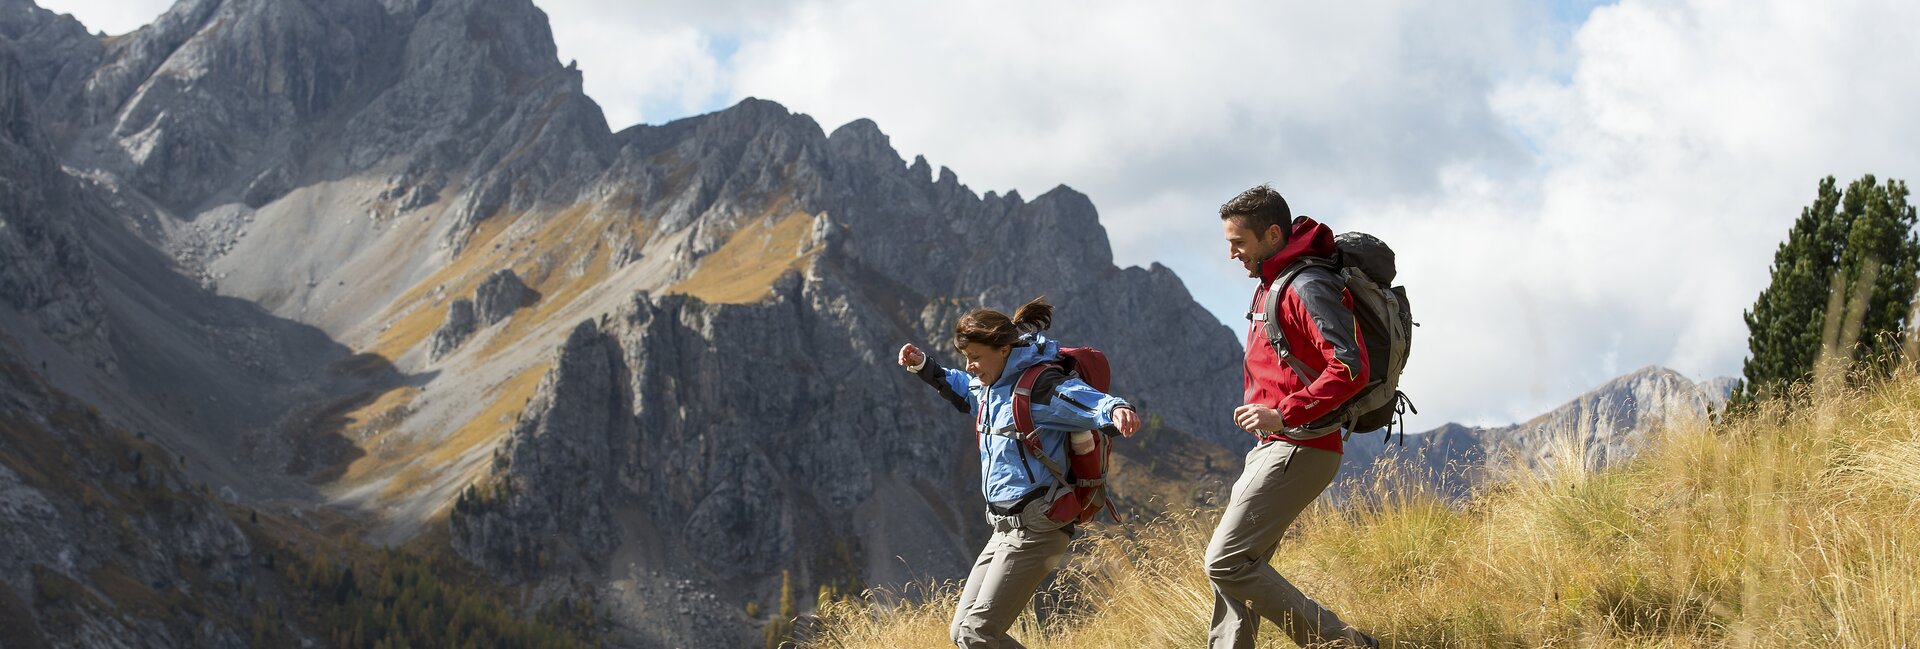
{"x":1576,"y":189}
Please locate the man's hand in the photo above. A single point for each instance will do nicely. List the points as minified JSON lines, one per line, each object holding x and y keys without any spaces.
{"x":1126,"y":420}
{"x":1257,"y":419}
{"x":911,"y":356}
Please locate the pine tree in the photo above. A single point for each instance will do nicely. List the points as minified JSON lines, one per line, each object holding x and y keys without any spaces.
{"x":1839,"y":245}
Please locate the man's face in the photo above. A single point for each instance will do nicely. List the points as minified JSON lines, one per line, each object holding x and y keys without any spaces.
{"x":1249,"y":247}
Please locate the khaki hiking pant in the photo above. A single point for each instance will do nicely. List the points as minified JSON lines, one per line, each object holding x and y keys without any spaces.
{"x":1279,"y":481}
{"x":1024,"y":549}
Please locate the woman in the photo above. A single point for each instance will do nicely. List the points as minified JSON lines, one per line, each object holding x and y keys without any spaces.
{"x":1027,"y":544}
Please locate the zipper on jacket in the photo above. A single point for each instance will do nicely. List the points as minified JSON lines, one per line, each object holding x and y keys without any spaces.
{"x":1073,"y":403}
{"x":1021,"y":446}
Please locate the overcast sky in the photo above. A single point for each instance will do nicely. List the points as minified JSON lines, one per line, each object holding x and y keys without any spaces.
{"x":1576,"y":190}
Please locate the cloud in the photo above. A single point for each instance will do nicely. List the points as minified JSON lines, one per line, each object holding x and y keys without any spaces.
{"x":657,"y":61}
{"x":1671,"y":162}
{"x":110,"y":16}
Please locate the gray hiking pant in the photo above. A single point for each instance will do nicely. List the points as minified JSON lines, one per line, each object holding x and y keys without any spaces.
{"x":1024,"y":549}
{"x":1280,"y":480}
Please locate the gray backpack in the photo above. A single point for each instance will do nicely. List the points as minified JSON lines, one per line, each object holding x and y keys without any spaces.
{"x":1365,"y":265}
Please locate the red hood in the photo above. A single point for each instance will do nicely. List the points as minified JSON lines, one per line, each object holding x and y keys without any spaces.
{"x":1309,"y":238}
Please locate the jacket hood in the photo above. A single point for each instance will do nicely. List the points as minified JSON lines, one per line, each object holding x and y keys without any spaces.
{"x":1309,"y":238}
{"x":1033,"y":349}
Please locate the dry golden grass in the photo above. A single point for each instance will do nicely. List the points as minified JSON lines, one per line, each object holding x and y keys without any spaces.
{"x":1780,"y":529}
{"x":414,"y":463}
{"x":561,"y":242}
{"x":742,"y":271}
{"x":504,"y":406}
{"x":479,"y":259}
{"x":504,"y":403}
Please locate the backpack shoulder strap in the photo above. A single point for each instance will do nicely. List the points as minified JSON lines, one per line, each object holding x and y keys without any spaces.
{"x":1023,"y":390}
{"x":1269,"y":314}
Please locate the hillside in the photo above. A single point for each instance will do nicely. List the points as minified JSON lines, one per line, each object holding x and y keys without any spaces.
{"x":1772,"y":530}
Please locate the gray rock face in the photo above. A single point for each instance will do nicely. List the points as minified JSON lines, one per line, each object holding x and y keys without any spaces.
{"x":460,"y":325}
{"x":1604,"y":427}
{"x":86,"y":508}
{"x":551,"y":508}
{"x":46,"y":271}
{"x":223,"y":100}
{"x":497,"y":297}
{"x":500,"y":295}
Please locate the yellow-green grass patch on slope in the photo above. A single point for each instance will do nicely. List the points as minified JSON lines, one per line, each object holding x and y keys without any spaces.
{"x":539,"y":256}
{"x":409,"y":462}
{"x":416,"y":315}
{"x":568,"y":240}
{"x":743,"y":269}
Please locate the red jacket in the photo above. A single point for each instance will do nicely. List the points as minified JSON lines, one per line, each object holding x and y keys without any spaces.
{"x":1316,"y":317}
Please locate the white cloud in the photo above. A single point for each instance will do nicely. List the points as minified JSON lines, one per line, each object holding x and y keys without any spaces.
{"x":1571,"y":201}
{"x":110,"y":16}
{"x":1672,"y":161}
{"x":657,"y":61}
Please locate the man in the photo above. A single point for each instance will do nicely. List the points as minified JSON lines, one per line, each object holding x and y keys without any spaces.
{"x":1298,"y":454}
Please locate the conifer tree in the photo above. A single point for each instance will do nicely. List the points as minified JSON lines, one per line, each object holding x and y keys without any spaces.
{"x":1840,"y":243}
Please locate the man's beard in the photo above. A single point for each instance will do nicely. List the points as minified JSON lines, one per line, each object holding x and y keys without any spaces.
{"x":1253,"y":267}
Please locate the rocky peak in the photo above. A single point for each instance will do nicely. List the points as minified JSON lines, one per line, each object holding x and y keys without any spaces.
{"x":1604,"y":426}
{"x":55,"y":51}
{"x":860,"y":142}
{"x":434,"y":92}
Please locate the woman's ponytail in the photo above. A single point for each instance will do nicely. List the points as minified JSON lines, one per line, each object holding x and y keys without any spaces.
{"x":1035,"y":315}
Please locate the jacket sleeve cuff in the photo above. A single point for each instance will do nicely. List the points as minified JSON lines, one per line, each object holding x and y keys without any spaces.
{"x":1289,"y":415}
{"x":1103,"y":414}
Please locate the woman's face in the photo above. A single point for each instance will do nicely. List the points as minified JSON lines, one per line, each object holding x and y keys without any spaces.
{"x":985,"y":362}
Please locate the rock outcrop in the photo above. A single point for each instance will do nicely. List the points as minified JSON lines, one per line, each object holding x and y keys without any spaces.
{"x":551,"y":507}
{"x":500,"y":295}
{"x":460,"y":324}
{"x":46,"y":271}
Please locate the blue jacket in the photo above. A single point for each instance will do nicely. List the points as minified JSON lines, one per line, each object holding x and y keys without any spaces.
{"x":1008,"y":471}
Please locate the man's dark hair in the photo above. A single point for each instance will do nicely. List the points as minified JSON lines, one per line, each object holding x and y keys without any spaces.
{"x":1259,"y":208}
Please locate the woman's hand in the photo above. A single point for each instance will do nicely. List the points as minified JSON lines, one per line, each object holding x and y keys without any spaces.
{"x":1126,"y":420}
{"x":1257,"y":419}
{"x":911,"y":356}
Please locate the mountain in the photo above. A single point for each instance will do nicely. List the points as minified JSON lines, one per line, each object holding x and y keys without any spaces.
{"x":379,"y":270}
{"x":1605,"y":426}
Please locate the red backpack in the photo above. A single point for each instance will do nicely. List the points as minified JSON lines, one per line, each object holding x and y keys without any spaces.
{"x":1086,"y":473}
